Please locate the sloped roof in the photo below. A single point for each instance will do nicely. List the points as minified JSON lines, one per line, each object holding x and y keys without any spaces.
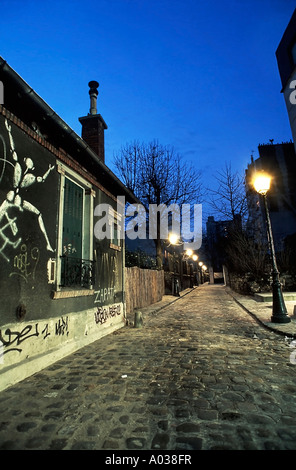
{"x":23,"y":101}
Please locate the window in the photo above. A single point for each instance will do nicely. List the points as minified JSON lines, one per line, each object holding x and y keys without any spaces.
{"x":72,"y":219}
{"x":75,"y":267}
{"x":115,"y":225}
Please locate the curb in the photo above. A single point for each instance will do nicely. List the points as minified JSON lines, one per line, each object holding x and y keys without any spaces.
{"x":262,"y":323}
{"x":149,"y":310}
{"x":172,"y":301}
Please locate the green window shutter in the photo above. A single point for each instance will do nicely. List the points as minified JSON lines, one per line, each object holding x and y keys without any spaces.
{"x":72,"y":219}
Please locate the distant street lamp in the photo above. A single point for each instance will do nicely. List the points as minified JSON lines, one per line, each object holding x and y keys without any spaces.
{"x":173,"y":239}
{"x":279,"y":312}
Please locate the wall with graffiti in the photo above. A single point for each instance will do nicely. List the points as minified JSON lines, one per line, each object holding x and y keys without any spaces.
{"x":109,"y":265}
{"x":42,"y":319}
{"x":28,"y":208}
{"x":28,"y":347}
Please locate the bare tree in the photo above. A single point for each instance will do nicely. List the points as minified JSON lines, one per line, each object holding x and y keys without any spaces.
{"x":244,"y":255}
{"x":127,"y":163}
{"x":158,"y":175}
{"x":229,"y":199}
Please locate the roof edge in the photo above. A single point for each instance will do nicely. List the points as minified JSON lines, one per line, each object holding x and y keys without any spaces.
{"x":51,"y":114}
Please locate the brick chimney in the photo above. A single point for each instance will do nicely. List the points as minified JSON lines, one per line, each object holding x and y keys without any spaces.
{"x":93,"y":125}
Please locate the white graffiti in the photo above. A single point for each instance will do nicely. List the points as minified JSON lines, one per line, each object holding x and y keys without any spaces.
{"x":22,"y":178}
{"x":104,"y":295}
{"x":26,"y":262}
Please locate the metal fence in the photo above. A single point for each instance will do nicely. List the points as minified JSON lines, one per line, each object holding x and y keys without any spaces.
{"x":76,"y":272}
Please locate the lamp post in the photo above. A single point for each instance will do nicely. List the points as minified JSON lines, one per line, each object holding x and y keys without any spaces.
{"x":204,"y":268}
{"x":174,"y":239}
{"x":189,"y":256}
{"x":279,"y":312}
{"x":200,"y":264}
{"x":195,"y":258}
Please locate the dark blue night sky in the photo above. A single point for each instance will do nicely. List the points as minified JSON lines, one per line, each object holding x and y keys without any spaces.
{"x":198,"y":75}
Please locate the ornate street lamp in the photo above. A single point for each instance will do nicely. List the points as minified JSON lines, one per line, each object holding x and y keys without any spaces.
{"x":279,"y":312}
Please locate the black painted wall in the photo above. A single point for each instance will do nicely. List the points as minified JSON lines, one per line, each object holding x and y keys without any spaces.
{"x":29,"y":217}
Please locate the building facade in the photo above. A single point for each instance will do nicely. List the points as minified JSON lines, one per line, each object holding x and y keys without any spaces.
{"x":278,"y":160}
{"x":217,"y":233}
{"x":286,"y":59}
{"x":62,"y":287}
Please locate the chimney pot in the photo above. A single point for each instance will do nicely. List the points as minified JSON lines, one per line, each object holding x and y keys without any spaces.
{"x":93,"y":93}
{"x":93,"y":125}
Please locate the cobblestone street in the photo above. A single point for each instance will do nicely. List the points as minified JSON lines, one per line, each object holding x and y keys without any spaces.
{"x":200,"y":374}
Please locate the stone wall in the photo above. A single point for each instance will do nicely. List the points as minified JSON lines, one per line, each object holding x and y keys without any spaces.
{"x":143,"y":287}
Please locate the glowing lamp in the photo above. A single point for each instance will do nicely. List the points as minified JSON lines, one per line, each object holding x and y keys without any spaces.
{"x":261,"y":183}
{"x":173,"y":239}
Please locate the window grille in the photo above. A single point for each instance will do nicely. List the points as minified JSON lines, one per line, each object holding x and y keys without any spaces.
{"x":77,"y":272}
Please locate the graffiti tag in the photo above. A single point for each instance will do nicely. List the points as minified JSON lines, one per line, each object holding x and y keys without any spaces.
{"x":103,"y":313}
{"x":103,"y":295}
{"x":61,"y":327}
{"x":15,"y":338}
{"x":23,"y":263}
{"x":11,"y":340}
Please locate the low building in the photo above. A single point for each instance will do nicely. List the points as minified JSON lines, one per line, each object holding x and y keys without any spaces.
{"x":62,"y":286}
{"x":217,"y":233}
